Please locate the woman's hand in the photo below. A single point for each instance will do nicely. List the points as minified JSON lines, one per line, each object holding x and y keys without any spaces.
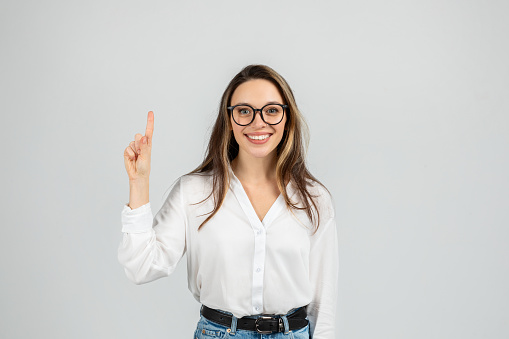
{"x":137,"y":154}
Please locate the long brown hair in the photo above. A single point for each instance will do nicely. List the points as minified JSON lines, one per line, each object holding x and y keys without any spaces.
{"x":223,"y":147}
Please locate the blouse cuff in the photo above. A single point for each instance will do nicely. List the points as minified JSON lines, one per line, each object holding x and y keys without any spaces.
{"x":137,"y":220}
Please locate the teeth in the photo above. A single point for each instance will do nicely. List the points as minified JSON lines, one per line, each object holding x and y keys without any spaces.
{"x":258,"y":137}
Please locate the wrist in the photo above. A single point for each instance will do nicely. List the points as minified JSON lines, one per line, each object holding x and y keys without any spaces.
{"x":138,"y":182}
{"x":138,"y":193}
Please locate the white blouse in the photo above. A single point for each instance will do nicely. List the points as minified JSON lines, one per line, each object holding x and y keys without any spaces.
{"x":236,"y":262}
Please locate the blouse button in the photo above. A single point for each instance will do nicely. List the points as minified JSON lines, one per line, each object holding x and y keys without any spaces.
{"x":258,"y":269}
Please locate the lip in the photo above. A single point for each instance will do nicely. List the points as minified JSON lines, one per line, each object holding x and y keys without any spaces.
{"x":258,"y":133}
{"x":254,"y":141}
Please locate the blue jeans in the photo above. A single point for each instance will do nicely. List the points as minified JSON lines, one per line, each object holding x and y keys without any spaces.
{"x":207,"y":329}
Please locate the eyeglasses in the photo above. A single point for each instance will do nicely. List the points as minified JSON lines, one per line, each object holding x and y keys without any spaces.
{"x":272,"y":114}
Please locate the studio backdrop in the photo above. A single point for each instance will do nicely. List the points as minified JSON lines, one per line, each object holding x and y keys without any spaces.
{"x":407,"y":108}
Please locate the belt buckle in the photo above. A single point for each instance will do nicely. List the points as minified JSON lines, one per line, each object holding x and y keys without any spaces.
{"x":267,"y":318}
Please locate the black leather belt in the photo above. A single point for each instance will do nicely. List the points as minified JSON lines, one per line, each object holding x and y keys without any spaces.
{"x":265,"y":324}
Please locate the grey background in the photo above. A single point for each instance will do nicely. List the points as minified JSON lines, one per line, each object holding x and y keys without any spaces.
{"x":408,"y":109}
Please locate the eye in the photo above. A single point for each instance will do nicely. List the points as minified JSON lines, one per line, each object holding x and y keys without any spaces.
{"x":273,"y":110}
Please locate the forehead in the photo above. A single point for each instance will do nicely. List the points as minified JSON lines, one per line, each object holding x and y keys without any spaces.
{"x":256,"y":92}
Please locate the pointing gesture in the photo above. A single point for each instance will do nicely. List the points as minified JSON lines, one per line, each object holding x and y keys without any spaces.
{"x":150,"y":128}
{"x":137,"y":154}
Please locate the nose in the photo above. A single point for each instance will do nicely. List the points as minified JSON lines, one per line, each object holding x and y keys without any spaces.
{"x":258,"y":121}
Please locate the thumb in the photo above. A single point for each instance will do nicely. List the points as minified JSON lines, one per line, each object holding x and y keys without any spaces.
{"x":144,"y":147}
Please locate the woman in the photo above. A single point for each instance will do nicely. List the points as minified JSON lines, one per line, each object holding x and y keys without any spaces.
{"x":258,"y":228}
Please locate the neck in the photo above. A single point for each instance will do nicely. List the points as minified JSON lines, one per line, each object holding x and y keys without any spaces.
{"x":255,"y":170}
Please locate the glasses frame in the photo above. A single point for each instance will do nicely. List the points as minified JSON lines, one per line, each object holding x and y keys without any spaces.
{"x":230,"y":109}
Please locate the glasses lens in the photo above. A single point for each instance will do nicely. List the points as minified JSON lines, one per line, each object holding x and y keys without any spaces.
{"x":243,"y":115}
{"x":272,"y":114}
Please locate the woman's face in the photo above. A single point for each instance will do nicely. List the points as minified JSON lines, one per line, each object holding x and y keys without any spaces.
{"x":257,"y":93}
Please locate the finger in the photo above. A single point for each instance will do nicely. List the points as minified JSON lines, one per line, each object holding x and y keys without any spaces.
{"x":137,"y":142}
{"x":145,"y":149}
{"x":133,"y":146}
{"x":129,"y":153}
{"x":150,"y":127}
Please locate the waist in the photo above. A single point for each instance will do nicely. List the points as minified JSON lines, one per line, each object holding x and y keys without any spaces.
{"x":262,"y":323}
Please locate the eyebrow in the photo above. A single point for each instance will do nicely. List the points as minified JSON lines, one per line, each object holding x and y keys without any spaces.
{"x":268,"y":103}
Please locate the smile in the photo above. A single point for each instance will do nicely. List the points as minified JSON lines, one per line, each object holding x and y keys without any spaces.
{"x":258,"y":137}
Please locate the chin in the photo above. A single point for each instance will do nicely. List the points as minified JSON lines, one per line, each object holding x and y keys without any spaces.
{"x":261,"y":153}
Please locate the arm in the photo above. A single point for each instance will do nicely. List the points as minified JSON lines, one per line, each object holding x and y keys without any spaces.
{"x":152,"y":247}
{"x":323,"y":275}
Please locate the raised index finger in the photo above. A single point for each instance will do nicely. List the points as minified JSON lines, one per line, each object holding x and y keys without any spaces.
{"x":150,"y":126}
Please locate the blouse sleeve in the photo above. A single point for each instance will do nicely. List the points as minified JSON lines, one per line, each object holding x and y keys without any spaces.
{"x":151,"y":248}
{"x":323,"y":274}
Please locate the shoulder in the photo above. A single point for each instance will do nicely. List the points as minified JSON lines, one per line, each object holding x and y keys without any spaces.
{"x":323,"y":199}
{"x":195,"y":186}
{"x":319,"y":199}
{"x":193,"y":179}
